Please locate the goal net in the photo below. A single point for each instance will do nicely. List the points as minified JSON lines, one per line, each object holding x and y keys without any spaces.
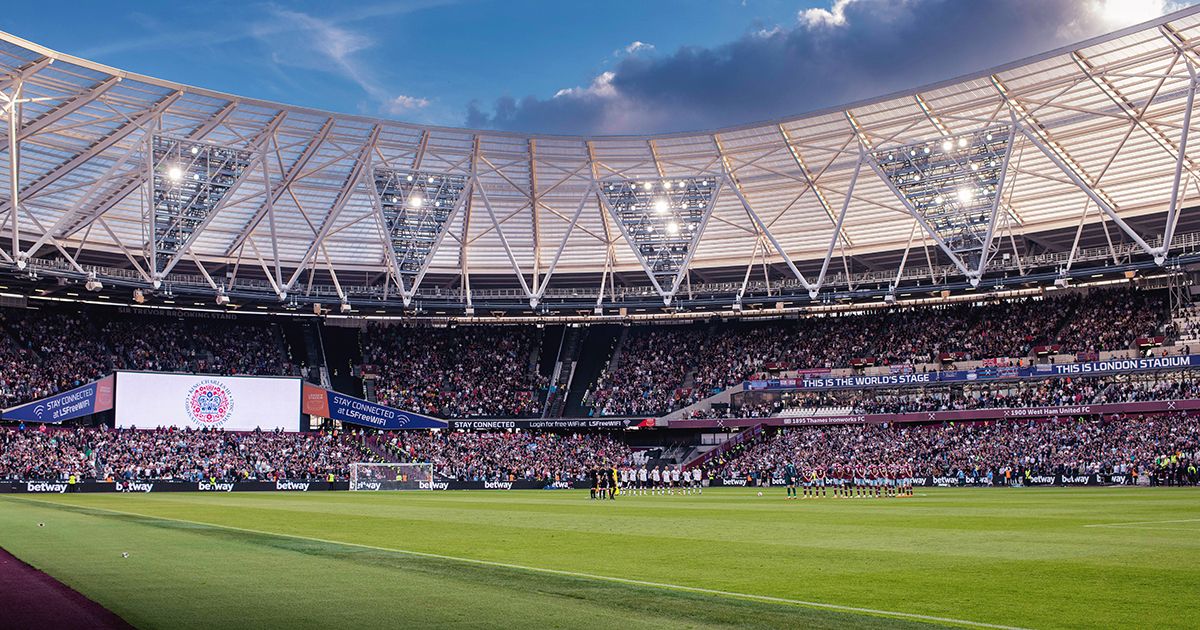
{"x":369,"y":476}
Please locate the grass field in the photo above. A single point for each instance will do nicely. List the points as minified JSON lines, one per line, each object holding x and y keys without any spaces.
{"x":1032,"y":558}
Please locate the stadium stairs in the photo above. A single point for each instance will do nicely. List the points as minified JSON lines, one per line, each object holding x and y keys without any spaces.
{"x":595,"y":352}
{"x":343,"y":355}
{"x":566,"y":360}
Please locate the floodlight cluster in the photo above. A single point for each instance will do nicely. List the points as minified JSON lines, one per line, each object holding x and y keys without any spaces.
{"x":952,"y":182}
{"x":190,"y":179}
{"x":662,"y":217}
{"x":416,"y":206}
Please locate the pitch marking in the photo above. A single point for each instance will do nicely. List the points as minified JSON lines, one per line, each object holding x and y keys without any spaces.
{"x":576,"y":574}
{"x":1134,"y":523}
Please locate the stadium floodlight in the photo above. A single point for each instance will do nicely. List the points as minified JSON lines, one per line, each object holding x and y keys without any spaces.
{"x":138,"y":296}
{"x":92,"y":283}
{"x":953,"y":185}
{"x":416,"y":207}
{"x":221,"y":298}
{"x":663,"y":221}
{"x":190,"y":179}
{"x":345,"y":307}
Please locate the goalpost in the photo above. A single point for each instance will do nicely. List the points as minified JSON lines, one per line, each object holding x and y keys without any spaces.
{"x":372,"y":476}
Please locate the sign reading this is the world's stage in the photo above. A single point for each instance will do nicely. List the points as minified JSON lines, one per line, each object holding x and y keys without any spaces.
{"x":1088,"y":368}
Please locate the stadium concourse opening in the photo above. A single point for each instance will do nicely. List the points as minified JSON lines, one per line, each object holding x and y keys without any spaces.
{"x":888,"y":364}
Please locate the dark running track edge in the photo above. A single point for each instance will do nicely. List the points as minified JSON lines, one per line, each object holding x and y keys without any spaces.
{"x":31,"y":599}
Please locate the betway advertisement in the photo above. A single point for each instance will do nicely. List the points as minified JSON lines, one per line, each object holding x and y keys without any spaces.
{"x":73,"y":403}
{"x":324,"y":403}
{"x":235,"y":403}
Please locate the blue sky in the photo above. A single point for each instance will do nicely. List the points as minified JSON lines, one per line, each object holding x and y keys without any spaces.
{"x":568,"y":66}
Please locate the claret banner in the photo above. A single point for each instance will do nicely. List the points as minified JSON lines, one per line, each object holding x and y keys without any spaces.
{"x":984,"y":373}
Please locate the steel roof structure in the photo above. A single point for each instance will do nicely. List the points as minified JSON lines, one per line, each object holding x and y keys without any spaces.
{"x":1074,"y":157}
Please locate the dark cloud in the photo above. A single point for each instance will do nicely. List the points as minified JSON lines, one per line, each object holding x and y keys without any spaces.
{"x":852,"y":50}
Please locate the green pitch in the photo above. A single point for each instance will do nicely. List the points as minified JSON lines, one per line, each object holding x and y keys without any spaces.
{"x":1033,"y":558}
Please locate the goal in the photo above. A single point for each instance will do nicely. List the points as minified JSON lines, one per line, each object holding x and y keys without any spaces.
{"x":371,"y":476}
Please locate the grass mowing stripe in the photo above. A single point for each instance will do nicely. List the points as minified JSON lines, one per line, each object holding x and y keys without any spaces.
{"x":547,"y":571}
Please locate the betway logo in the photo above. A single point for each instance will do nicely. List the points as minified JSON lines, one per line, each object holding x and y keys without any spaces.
{"x":368,"y":485}
{"x":733,"y":482}
{"x":291,"y":485}
{"x":560,"y":485}
{"x":945,"y":481}
{"x":1077,"y":479}
{"x":497,"y":485}
{"x":920,"y":481}
{"x":1041,"y":479}
{"x":42,"y":486}
{"x":433,"y":485}
{"x":134,"y":487}
{"x":205,"y":486}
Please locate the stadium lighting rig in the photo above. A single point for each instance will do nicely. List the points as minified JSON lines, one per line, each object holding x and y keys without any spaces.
{"x":663,"y":220}
{"x":953,"y":184}
{"x":415,"y":208}
{"x":92,"y":283}
{"x":190,"y":180}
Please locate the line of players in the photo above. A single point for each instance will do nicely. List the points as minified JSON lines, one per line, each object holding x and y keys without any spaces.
{"x":850,"y":482}
{"x":609,"y":482}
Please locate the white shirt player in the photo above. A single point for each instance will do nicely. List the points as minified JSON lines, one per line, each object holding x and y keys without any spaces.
{"x":624,"y":475}
{"x":675,"y":475}
{"x":654,"y":475}
{"x":641,"y":473}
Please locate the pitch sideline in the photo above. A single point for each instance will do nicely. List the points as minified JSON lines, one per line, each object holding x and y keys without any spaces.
{"x":562,"y":572}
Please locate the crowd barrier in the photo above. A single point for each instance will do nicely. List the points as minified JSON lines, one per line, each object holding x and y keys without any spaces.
{"x":955,"y":482}
{"x":62,"y":487}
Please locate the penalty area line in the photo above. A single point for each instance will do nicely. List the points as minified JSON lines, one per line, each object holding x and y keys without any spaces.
{"x":560,"y":572}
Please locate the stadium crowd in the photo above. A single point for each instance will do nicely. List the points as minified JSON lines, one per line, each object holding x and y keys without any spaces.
{"x":44,"y":352}
{"x":499,"y":456}
{"x":200,"y":455}
{"x":1166,"y":446}
{"x":177,"y":454}
{"x":456,"y":372}
{"x":1057,"y":391}
{"x":662,"y":368}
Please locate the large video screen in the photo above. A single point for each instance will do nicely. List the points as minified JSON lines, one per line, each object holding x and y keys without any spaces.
{"x":236,"y":403}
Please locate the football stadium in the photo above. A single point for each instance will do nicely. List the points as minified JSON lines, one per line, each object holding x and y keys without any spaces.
{"x":928,"y":358}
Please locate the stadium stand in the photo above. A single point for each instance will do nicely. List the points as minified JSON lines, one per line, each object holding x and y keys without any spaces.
{"x":666,"y":368}
{"x":1165,"y":445}
{"x":461,"y":372}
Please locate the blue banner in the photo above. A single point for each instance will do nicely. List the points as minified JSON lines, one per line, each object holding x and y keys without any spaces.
{"x":1088,"y":368}
{"x":329,"y":404}
{"x":74,"y":403}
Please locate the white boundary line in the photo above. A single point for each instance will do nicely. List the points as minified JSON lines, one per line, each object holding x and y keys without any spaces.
{"x":1180,"y":520}
{"x":575,"y":574}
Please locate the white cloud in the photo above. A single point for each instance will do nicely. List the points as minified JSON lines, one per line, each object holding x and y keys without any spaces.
{"x":403,"y":103}
{"x":835,"y":15}
{"x":601,"y":87}
{"x":301,"y":40}
{"x":637,"y":47}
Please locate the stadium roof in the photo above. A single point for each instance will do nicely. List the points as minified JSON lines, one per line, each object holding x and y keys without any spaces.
{"x":1072,"y":155}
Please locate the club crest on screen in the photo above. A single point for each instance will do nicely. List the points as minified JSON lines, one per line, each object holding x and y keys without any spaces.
{"x":209,"y":403}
